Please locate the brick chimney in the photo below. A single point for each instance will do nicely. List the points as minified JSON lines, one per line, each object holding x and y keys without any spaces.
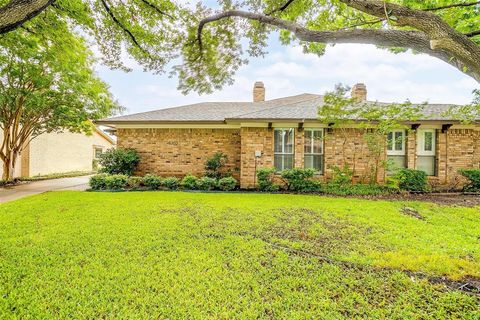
{"x":258,"y":92}
{"x":359,"y":92}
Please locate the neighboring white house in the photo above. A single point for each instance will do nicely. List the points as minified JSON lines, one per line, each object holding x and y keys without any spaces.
{"x":61,"y":152}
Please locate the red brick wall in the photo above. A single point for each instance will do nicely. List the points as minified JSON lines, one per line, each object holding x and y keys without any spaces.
{"x":177,"y":152}
{"x":255,"y":139}
{"x":349,"y":146}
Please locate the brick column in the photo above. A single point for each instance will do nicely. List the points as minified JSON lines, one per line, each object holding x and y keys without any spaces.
{"x":411,"y":149}
{"x":442,"y":156}
{"x":254,"y":139}
{"x":299,"y":149}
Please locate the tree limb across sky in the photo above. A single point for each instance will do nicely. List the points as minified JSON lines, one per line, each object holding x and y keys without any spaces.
{"x":210,"y":40}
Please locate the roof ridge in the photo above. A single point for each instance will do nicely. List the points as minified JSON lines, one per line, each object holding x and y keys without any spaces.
{"x":176,"y":107}
{"x":283,"y":105}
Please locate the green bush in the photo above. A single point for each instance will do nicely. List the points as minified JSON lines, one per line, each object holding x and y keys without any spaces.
{"x":412,"y":180}
{"x":206,"y":183}
{"x":171,"y":183}
{"x":116,"y":181}
{"x":357,"y":189}
{"x":134,"y":182}
{"x":152,"y":182}
{"x":119,"y":161}
{"x":214,"y":166}
{"x":300,"y":180}
{"x":265,"y":179}
{"x":97,"y":182}
{"x":342,"y":176}
{"x":189,"y":182}
{"x":473,"y":176}
{"x":227,"y":184}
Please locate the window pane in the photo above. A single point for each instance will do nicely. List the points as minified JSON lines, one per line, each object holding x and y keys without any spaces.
{"x":278,"y":140}
{"x":283,"y":161}
{"x":428,"y":146}
{"x":427,"y":164}
{"x":98,"y":152}
{"x":278,"y":162}
{"x":399,"y":141}
{"x":317,"y":141}
{"x":314,"y":162}
{"x":390,"y":141}
{"x":287,"y":161}
{"x":395,"y":163}
{"x":308,"y":142}
{"x":288,"y":143}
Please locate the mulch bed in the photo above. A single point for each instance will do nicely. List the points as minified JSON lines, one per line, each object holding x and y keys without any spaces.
{"x":449,"y":199}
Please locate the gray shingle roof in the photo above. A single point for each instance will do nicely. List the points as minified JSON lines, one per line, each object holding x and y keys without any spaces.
{"x":299,"y":107}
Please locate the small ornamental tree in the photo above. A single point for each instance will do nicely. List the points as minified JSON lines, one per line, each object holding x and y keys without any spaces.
{"x":47,"y":84}
{"x":214,"y":166}
{"x":342,"y":112}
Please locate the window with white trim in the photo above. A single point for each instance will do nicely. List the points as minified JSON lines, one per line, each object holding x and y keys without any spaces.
{"x":396,"y":149}
{"x":426,"y":157}
{"x":283,"y":141}
{"x":98,"y":152}
{"x":313,"y":149}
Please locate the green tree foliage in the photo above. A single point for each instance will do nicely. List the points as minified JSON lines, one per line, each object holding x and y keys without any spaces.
{"x":342,"y":112}
{"x":215,"y":166}
{"x":210,"y":38}
{"x":119,"y":161}
{"x":47,"y":84}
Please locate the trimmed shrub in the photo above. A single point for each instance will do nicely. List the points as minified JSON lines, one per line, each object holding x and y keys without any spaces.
{"x":227,"y":184}
{"x":412,"y":180}
{"x":342,"y":176}
{"x":189,"y":182}
{"x":152,"y":181}
{"x":97,"y":182}
{"x":299,"y":180}
{"x":206,"y":183}
{"x":119,"y":161}
{"x":357,"y":189}
{"x":116,"y":181}
{"x":473,"y":176}
{"x":265,"y":179}
{"x":134,"y":182}
{"x":214,"y":166}
{"x":171,"y":183}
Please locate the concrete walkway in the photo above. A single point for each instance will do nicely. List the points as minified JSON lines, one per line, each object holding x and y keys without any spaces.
{"x":36,"y":187}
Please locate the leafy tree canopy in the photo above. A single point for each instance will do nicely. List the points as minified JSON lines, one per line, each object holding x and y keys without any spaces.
{"x":47,"y":84}
{"x":204,"y":44}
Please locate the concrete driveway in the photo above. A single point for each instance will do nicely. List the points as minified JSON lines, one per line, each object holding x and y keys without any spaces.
{"x":28,"y":189}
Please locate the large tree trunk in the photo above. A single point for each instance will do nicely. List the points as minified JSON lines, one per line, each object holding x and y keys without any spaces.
{"x":9,"y":163}
{"x":16,"y":12}
{"x":431,"y":35}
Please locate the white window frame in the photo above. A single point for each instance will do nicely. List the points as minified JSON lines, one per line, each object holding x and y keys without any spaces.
{"x":421,"y":142}
{"x":394,"y":152}
{"x":322,"y":131}
{"x":275,"y":153}
{"x":95,"y":151}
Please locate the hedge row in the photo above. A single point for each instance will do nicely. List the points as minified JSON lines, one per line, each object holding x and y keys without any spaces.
{"x":300,"y":180}
{"x":105,"y":181}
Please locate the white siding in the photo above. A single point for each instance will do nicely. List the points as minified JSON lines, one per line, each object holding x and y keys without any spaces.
{"x":64,"y":152}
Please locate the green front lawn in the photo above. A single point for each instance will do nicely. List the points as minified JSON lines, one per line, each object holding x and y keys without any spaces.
{"x":191,"y":255}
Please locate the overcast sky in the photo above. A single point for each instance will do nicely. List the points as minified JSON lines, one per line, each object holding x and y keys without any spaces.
{"x":286,"y":70}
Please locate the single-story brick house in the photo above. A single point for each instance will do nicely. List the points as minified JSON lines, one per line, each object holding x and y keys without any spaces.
{"x":286,"y":133}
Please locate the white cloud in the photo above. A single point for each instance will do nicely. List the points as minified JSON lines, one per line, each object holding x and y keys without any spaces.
{"x":288,"y":71}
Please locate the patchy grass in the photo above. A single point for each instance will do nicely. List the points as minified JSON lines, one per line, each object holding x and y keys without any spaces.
{"x":192,"y":255}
